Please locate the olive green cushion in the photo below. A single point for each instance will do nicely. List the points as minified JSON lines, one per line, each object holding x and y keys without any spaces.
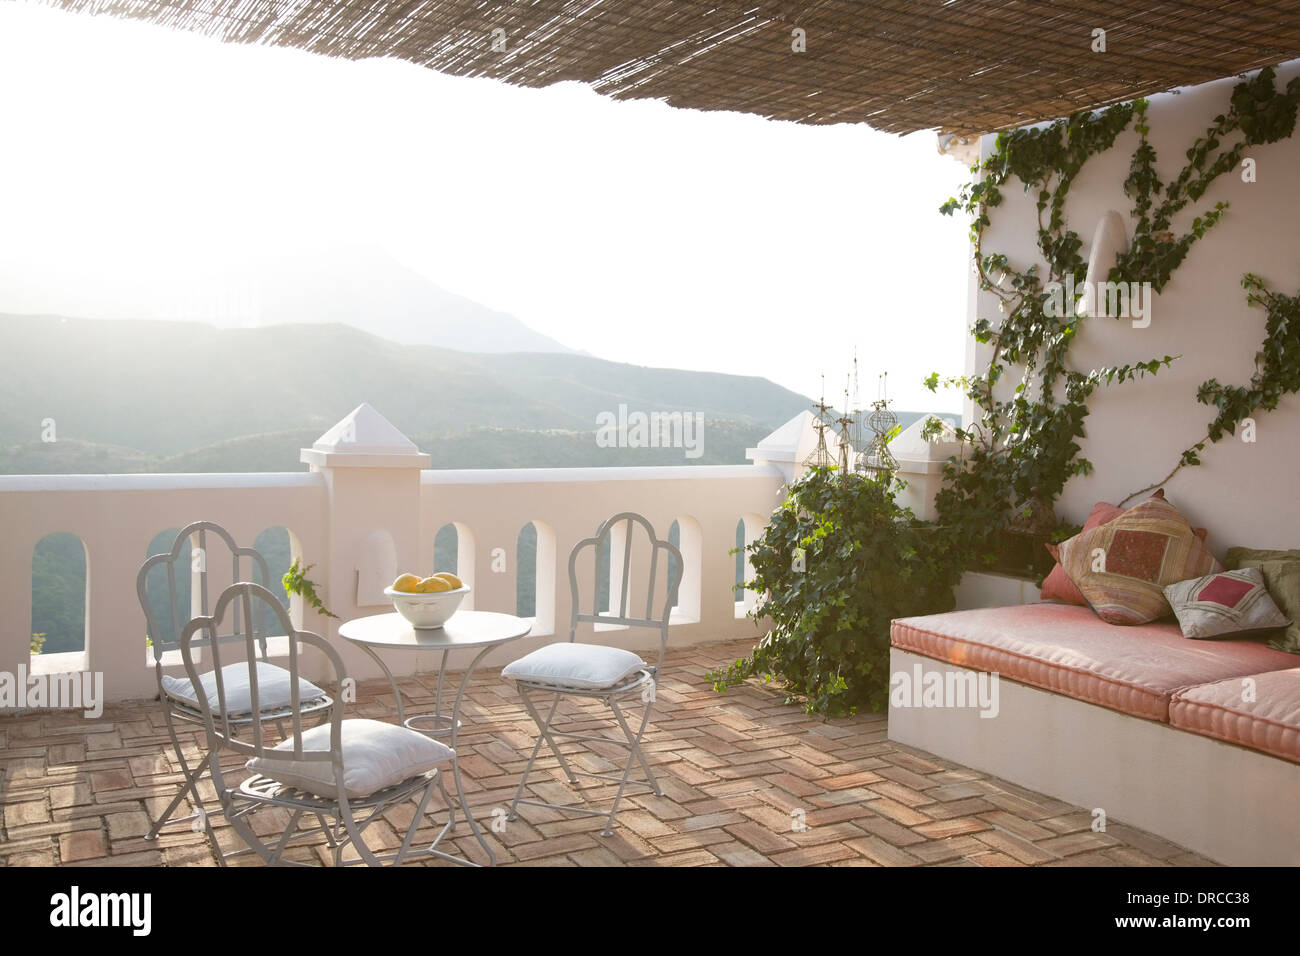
{"x":1282,"y":577}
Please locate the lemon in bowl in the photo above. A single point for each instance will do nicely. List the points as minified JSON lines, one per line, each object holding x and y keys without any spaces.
{"x":427,"y":603}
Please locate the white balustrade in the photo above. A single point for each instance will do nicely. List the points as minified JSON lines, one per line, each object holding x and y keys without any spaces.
{"x":369,"y":506}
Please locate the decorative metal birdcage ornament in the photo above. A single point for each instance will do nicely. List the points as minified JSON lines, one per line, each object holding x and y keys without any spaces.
{"x":847,"y":440}
{"x":876,"y":459}
{"x":821,"y":455}
{"x":855,"y":411}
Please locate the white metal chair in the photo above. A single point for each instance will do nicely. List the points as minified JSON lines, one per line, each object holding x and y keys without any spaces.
{"x":598,"y":672}
{"x":187,"y":563}
{"x":329,"y":773}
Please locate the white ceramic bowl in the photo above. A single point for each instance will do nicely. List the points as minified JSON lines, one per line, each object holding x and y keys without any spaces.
{"x":427,"y":611}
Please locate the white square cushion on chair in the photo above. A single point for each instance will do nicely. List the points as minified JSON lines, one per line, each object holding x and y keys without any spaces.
{"x":581,"y":666}
{"x":376,"y":755}
{"x":272,"y":688}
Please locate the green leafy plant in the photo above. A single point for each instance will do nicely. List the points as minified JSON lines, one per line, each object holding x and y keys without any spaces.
{"x":1032,"y":405}
{"x":38,"y":641}
{"x":838,"y":561}
{"x":1064,"y":532}
{"x":295,"y":581}
{"x":935,"y":429}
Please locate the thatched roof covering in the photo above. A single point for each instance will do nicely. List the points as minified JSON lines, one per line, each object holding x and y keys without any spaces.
{"x":898,"y":65}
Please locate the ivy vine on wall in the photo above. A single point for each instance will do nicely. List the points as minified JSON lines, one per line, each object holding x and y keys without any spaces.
{"x":1031,"y":405}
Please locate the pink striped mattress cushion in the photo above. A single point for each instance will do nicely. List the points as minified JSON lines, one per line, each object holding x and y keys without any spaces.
{"x":1271,"y":722}
{"x":1069,"y":650}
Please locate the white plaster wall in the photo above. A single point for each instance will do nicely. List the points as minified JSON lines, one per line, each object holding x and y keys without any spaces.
{"x":1244,"y":493}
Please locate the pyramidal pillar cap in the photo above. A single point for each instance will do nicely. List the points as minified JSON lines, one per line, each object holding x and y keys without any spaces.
{"x":784,"y":445}
{"x":364,"y":439}
{"x":790,"y":445}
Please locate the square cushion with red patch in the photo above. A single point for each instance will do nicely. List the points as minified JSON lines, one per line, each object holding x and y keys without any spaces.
{"x":1229,"y":603}
{"x":1057,"y":586}
{"x":1123,"y":566}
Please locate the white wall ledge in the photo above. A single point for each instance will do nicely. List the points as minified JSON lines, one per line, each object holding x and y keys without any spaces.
{"x":479,"y":476}
{"x":922,"y":466}
{"x":334,"y":459}
{"x":167,"y":482}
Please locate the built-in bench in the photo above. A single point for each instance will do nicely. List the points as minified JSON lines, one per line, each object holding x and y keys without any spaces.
{"x":1197,"y":741}
{"x":1264,"y":715}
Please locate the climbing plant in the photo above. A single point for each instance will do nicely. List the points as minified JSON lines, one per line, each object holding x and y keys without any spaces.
{"x":295,"y":581}
{"x":1031,"y":404}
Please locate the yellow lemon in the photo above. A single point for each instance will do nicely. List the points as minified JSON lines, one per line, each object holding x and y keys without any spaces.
{"x":451,"y":579}
{"x":407,"y":583}
{"x":433,"y":585}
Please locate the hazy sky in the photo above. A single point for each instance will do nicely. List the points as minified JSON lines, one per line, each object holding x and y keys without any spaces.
{"x":136,"y":161}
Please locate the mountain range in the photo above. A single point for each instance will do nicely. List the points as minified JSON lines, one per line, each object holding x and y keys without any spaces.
{"x":150,"y":395}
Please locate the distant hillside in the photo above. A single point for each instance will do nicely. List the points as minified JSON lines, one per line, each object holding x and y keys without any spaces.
{"x":136,"y":396}
{"x":164,"y":388}
{"x":142,"y":396}
{"x":482,"y":447}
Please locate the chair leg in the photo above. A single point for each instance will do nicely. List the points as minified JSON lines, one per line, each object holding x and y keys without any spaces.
{"x":354,"y":831}
{"x":289,"y":829}
{"x":451,"y":814}
{"x":192,"y":777}
{"x":327,"y":830}
{"x":211,"y":834}
{"x":543,"y":736}
{"x":640,"y":754}
{"x":634,"y":743}
{"x":190,"y":785}
{"x":238,"y":821}
{"x":415,"y":820}
{"x":547,"y":735}
{"x":469,"y":814}
{"x":545,"y":730}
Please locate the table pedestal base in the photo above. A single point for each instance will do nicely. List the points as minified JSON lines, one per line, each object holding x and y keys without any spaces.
{"x":447,"y":725}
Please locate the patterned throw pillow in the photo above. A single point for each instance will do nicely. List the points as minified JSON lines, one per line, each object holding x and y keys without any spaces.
{"x":1228,"y":603}
{"x":1057,"y":586}
{"x":1122,"y":567}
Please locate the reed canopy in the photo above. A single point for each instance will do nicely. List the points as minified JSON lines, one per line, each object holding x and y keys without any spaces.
{"x":962,"y":66}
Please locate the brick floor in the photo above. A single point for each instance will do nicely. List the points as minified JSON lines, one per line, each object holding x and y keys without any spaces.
{"x":748,"y":781}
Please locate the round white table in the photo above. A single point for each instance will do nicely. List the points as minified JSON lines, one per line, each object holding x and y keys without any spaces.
{"x":483,"y":630}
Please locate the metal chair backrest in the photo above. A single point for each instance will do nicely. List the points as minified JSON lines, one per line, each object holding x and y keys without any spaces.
{"x":630,"y":540}
{"x":247,"y":602}
{"x":188,"y":562}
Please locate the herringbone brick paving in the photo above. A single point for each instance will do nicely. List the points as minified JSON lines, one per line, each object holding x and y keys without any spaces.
{"x":748,"y":781}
